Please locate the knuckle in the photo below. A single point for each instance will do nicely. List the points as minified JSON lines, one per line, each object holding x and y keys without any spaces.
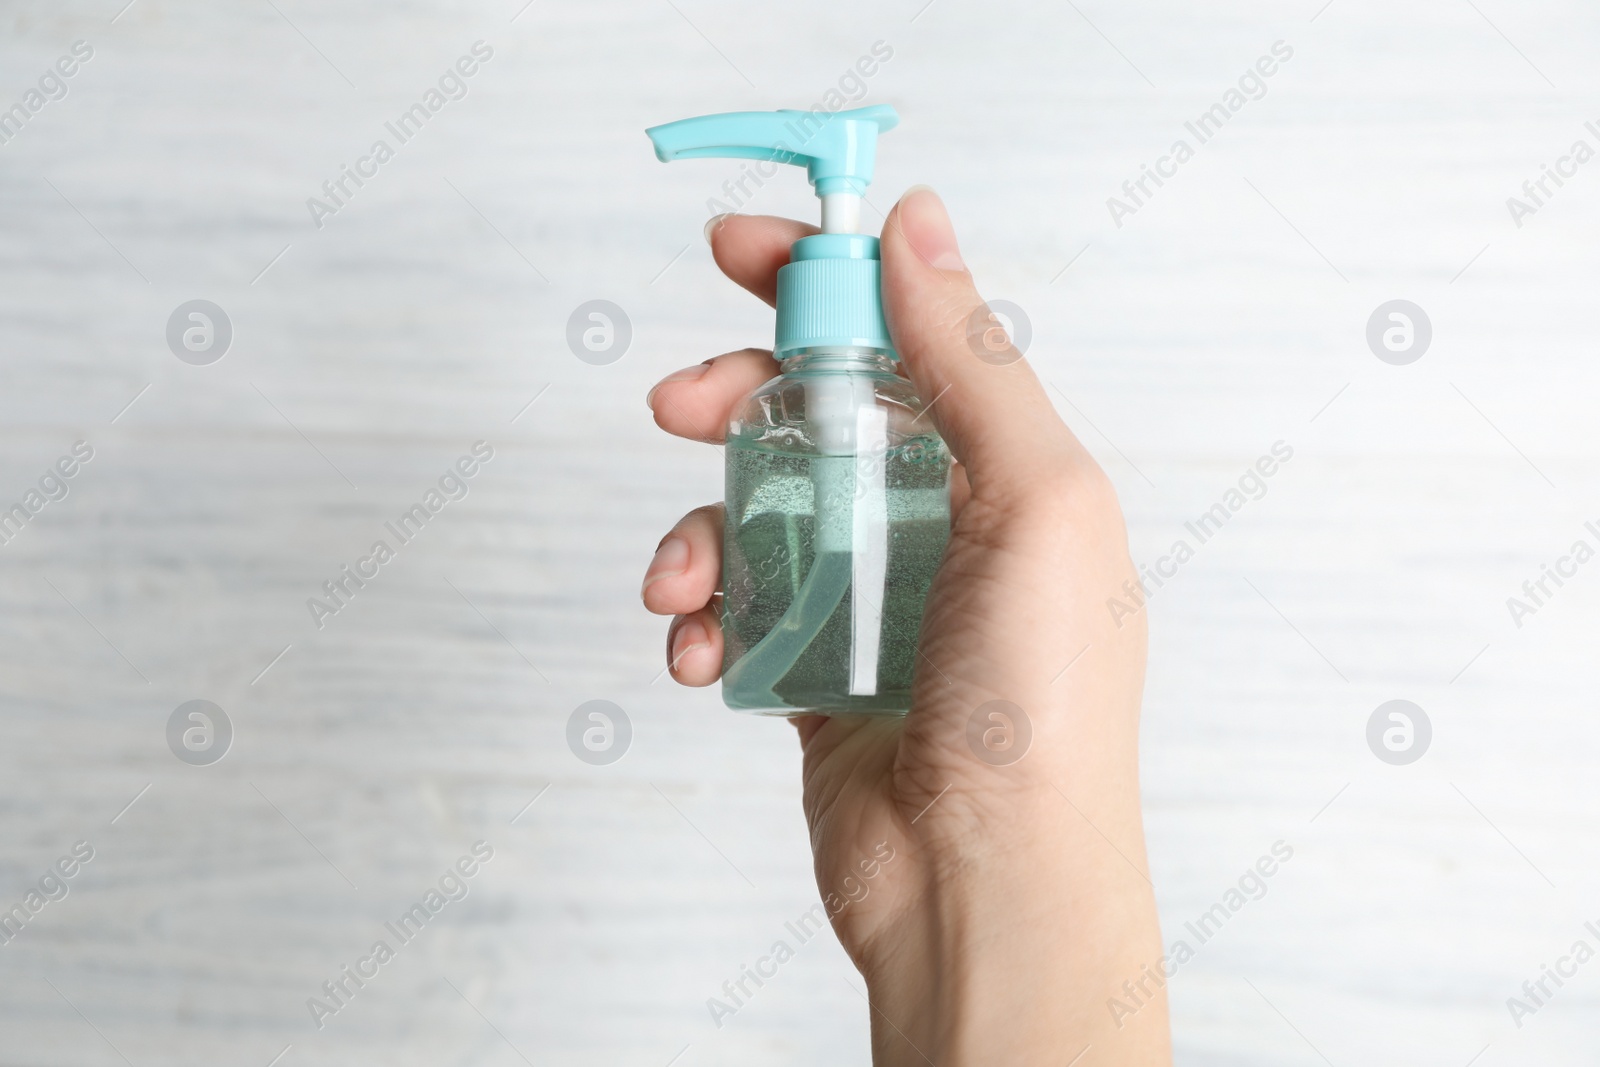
{"x":704,"y":522}
{"x":1071,"y":498}
{"x":1074,"y":487}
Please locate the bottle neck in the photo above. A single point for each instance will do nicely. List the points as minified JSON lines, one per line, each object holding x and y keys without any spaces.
{"x":840,"y":360}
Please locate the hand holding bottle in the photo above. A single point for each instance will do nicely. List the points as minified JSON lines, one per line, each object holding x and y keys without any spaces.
{"x":1017,"y":903}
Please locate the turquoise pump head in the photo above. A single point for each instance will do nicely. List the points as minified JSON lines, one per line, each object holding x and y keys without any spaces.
{"x":837,"y":150}
{"x":828,"y":294}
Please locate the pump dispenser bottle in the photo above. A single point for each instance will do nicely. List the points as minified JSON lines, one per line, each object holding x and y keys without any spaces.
{"x":838,"y":487}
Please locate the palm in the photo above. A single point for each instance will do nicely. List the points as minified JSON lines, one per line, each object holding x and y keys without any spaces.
{"x":917,"y":780}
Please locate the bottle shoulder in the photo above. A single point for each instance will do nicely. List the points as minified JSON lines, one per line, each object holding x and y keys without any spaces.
{"x":785,"y":413}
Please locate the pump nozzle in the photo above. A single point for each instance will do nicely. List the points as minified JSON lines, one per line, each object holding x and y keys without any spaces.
{"x":838,"y":150}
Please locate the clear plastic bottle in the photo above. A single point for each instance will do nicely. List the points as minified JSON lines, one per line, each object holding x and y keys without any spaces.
{"x":836,"y":524}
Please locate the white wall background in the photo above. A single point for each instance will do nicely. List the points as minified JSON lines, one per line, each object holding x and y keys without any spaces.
{"x":1228,"y":314}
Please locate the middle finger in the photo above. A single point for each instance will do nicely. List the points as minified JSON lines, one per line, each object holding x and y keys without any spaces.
{"x":697,"y":402}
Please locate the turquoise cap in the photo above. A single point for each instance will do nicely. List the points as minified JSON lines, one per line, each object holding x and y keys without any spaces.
{"x":829,"y":294}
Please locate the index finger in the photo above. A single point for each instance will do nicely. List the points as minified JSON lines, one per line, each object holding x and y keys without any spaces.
{"x":697,"y":402}
{"x":751,"y":248}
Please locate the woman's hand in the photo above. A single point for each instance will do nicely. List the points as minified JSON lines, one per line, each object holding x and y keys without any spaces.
{"x":1015,"y":904}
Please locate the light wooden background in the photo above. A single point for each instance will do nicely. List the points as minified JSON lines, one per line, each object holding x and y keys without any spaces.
{"x":1228,"y":314}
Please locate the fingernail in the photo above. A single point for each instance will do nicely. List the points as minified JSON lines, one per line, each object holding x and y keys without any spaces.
{"x":671,"y":560}
{"x":690,"y":636}
{"x":926,"y":225}
{"x":714,"y":221}
{"x":687,"y":374}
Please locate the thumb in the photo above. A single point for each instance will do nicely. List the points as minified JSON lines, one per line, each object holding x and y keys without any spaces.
{"x":986,"y":401}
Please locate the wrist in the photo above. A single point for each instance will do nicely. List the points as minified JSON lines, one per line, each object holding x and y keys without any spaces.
{"x":1013,"y":955}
